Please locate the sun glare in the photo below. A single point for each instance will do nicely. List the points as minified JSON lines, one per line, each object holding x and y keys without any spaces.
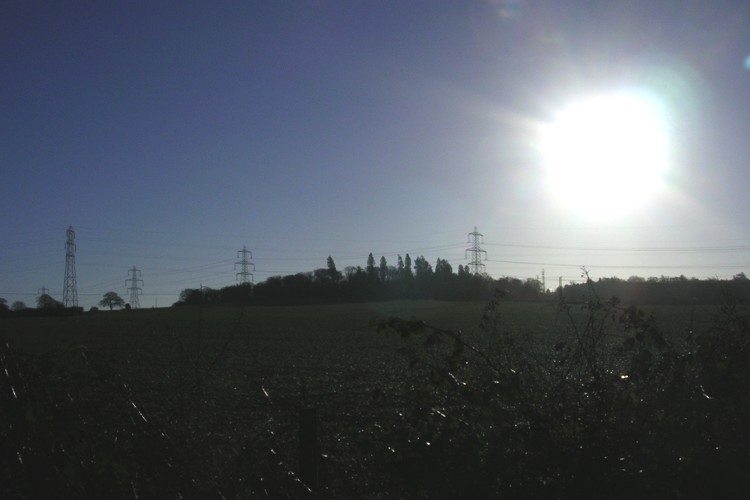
{"x":606,"y":155}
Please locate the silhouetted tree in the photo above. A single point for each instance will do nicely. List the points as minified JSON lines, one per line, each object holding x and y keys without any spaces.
{"x":45,"y":301}
{"x":111,"y":299}
{"x":190,"y":296}
{"x":407,"y":265}
{"x":350,"y":271}
{"x":269,"y":290}
{"x":321,"y":277}
{"x":211,"y":295}
{"x":422,"y":277}
{"x":297,"y":286}
{"x":237,"y":294}
{"x":422,"y":268}
{"x":332,"y":272}
{"x":407,"y":279}
{"x":444,"y":285}
{"x":443,"y":268}
{"x":370,"y":269}
{"x":383,"y":269}
{"x":325,"y":283}
{"x":18,"y":306}
{"x":196,"y":296}
{"x":3,"y":304}
{"x":356,"y":285}
{"x":392,"y":274}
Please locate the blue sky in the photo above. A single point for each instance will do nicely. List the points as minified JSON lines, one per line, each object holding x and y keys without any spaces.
{"x":170,"y":134}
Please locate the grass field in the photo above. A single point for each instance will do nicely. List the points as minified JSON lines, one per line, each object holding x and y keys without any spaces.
{"x":204,"y":401}
{"x":111,"y":330}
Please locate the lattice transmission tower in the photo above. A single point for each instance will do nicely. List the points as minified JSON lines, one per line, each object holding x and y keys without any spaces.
{"x":70,"y":288}
{"x":476,"y":266}
{"x":134,"y":290}
{"x":244,"y":277}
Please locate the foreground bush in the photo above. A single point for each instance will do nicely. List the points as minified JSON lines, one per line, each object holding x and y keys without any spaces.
{"x":610,"y":409}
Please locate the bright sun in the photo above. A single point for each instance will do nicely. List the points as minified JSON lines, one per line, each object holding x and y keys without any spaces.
{"x":606,"y":155}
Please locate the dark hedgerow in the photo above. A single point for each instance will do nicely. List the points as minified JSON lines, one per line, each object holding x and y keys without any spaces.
{"x":611,"y":410}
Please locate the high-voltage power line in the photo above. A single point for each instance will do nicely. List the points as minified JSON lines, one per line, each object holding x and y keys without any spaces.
{"x":244,"y":277}
{"x":134,"y":290}
{"x":476,"y":266}
{"x":70,"y":288}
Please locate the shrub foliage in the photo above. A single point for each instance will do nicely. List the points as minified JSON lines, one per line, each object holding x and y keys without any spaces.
{"x":610,"y":409}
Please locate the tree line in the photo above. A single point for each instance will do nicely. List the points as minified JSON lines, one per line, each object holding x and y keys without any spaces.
{"x":407,"y":279}
{"x":418,"y":279}
{"x":663,"y":290}
{"x":46,"y":305}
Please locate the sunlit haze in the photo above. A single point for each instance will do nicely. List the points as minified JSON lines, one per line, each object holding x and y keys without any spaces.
{"x":170,"y":135}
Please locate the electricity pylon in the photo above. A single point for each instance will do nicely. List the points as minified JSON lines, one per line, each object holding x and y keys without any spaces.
{"x":476,"y":266}
{"x":70,"y":288}
{"x":244,"y":277}
{"x":134,"y":290}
